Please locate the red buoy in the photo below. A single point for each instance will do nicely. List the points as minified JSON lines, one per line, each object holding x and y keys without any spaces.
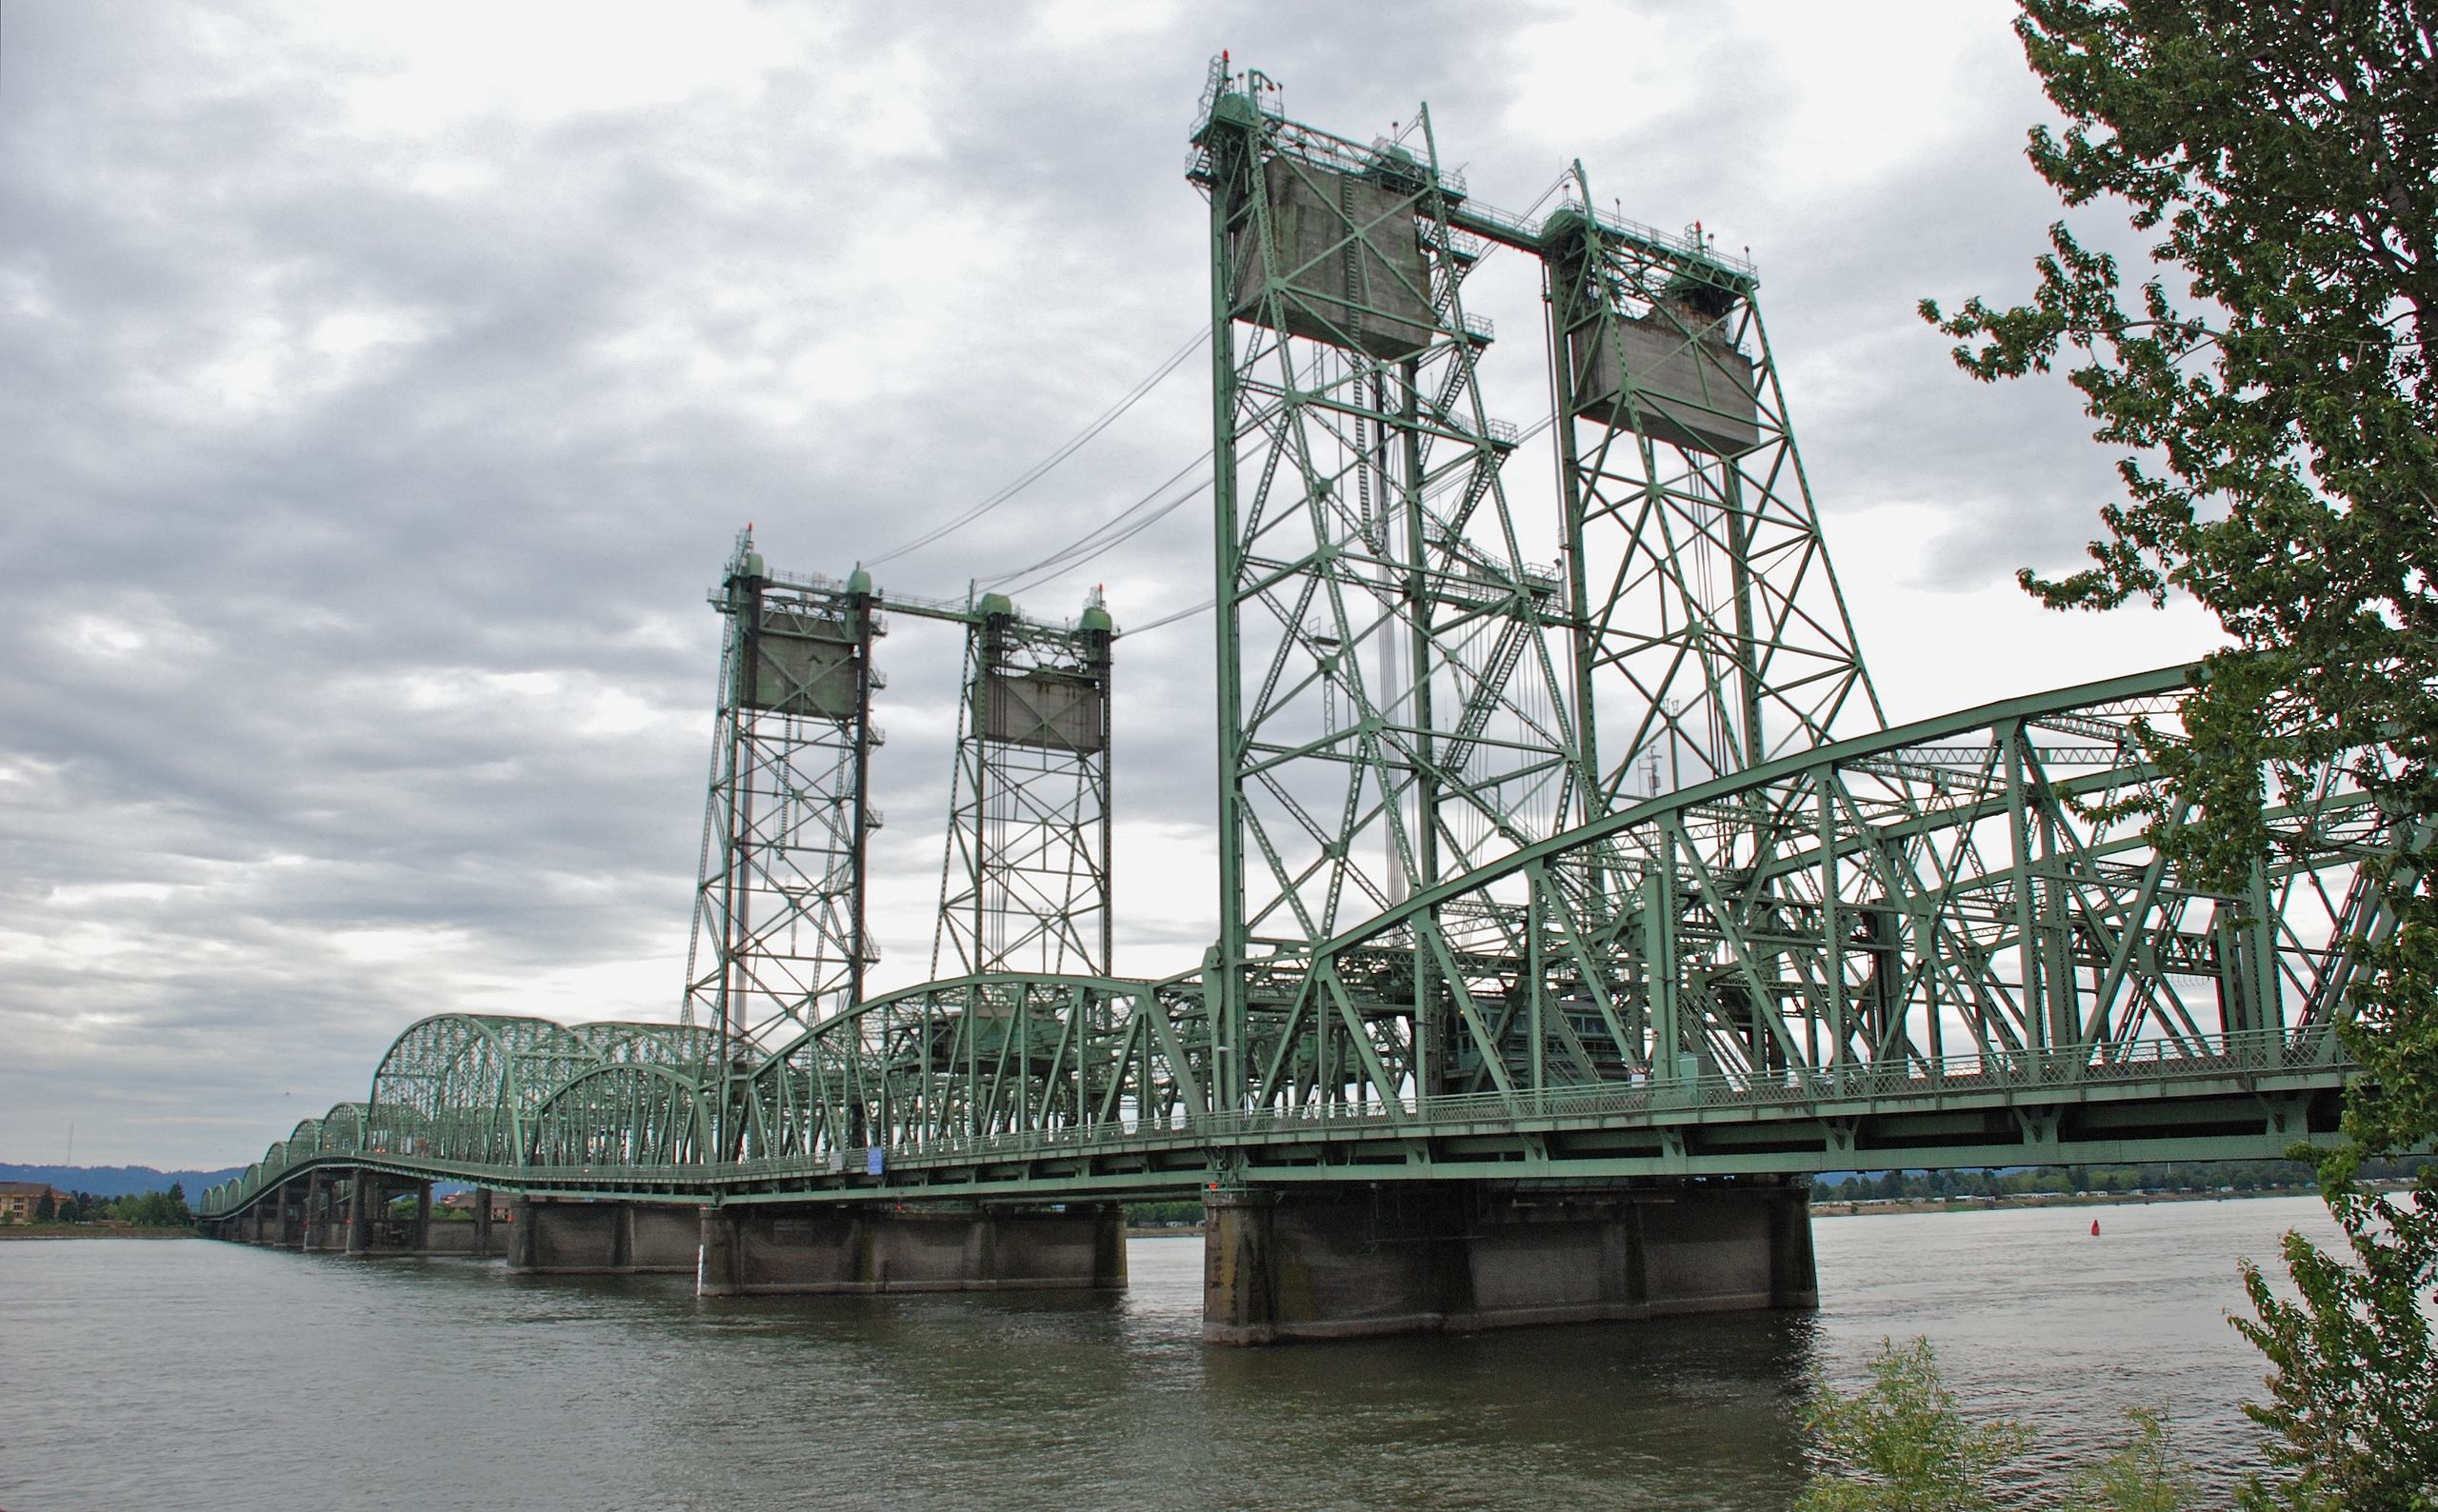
{"x":2095,"y":1228}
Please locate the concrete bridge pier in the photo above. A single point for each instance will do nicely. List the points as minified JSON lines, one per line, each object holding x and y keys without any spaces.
{"x":322,"y":1224}
{"x":371,"y":1226}
{"x":1343,"y":1261}
{"x":296,"y":1214}
{"x":572,"y":1238}
{"x":303,"y":1198}
{"x":873,"y":1247}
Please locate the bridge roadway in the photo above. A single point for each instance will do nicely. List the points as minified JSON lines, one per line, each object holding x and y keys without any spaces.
{"x":1585,"y":1168}
{"x":1808,"y":939}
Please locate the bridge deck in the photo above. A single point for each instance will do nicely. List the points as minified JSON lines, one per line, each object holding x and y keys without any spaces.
{"x":2245,"y":1097}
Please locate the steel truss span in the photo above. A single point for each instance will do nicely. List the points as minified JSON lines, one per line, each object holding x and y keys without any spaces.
{"x":1589,"y":870}
{"x":1942,"y":943}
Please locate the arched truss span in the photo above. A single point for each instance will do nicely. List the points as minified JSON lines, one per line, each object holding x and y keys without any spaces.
{"x":464,"y":1087}
{"x":978,"y":1056}
{"x":1967,"y":896}
{"x":1970,"y":891}
{"x":625,"y":1113}
{"x":679,"y":1046}
{"x":338,"y":1131}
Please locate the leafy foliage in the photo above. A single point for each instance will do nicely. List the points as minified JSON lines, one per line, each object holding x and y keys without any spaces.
{"x":1900,"y":1444}
{"x":2278,"y":418}
{"x":154,"y":1209}
{"x":2281,"y":461}
{"x":2353,"y":1396}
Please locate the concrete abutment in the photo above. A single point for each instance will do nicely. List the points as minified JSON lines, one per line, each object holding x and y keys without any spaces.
{"x":1336,"y":1261}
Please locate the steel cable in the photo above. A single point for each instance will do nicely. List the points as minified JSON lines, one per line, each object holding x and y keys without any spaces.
{"x":1038,"y":470}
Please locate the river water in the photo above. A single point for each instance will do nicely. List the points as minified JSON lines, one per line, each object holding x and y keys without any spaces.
{"x":196,"y":1375}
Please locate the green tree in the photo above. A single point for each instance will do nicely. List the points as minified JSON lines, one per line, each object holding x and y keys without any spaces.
{"x":2353,"y":1394}
{"x":2278,"y":423}
{"x":2281,"y":460}
{"x":46,"y":1208}
{"x":154,"y":1209}
{"x":1900,"y":1444}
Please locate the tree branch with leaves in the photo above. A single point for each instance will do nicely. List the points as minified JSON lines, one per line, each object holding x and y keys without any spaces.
{"x":2267,"y":384}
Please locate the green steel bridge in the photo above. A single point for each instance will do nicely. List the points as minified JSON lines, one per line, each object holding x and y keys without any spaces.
{"x":1572,"y":910}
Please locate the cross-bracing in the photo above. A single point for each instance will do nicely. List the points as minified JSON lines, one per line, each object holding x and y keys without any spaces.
{"x":1456,"y":944}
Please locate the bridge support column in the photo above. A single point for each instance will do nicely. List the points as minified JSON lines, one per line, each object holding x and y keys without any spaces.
{"x":363,"y":1203}
{"x":576,"y":1238}
{"x":373,"y":1227}
{"x":309,"y":1235}
{"x":854,"y":1249}
{"x":520,"y":1233}
{"x":483,"y":1221}
{"x":1794,"y":1274}
{"x":1343,"y":1261}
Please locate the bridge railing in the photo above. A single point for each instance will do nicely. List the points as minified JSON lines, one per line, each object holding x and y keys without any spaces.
{"x":2257,"y":1052}
{"x":2193,"y":1058}
{"x":2155,"y":1061}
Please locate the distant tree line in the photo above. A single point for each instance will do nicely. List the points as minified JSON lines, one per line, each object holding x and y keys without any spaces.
{"x":166,"y":1209}
{"x":2182,"y":1176}
{"x":1160,"y":1215}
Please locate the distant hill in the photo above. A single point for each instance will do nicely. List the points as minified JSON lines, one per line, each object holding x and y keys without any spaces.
{"x":117,"y":1180}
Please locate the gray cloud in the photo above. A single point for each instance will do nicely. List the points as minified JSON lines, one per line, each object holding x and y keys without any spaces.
{"x":368,"y":470}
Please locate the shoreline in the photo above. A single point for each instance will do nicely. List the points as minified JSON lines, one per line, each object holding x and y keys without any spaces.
{"x":1872,"y":1207}
{"x":36,"y":1231}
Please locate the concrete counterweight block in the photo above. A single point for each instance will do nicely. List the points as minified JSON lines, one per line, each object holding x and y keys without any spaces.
{"x":755,"y":1250}
{"x":1343,"y":1261}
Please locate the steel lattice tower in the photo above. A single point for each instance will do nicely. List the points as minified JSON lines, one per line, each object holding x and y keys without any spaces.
{"x":1713,"y":635}
{"x":779,"y":936}
{"x":1026,"y":883}
{"x":1393,"y":698}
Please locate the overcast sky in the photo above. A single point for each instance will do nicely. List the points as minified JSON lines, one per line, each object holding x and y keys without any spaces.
{"x":382,"y":388}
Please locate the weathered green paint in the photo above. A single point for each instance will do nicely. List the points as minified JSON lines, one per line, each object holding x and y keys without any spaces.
{"x":1453,"y":948}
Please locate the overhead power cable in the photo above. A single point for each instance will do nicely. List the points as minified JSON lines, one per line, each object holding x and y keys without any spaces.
{"x":1111,"y":533}
{"x":1039,"y":469}
{"x":1170,"y":619}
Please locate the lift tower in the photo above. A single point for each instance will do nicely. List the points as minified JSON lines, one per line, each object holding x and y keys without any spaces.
{"x":1393,"y":673}
{"x":779,"y":938}
{"x":1712,"y":632}
{"x":1026,"y":887}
